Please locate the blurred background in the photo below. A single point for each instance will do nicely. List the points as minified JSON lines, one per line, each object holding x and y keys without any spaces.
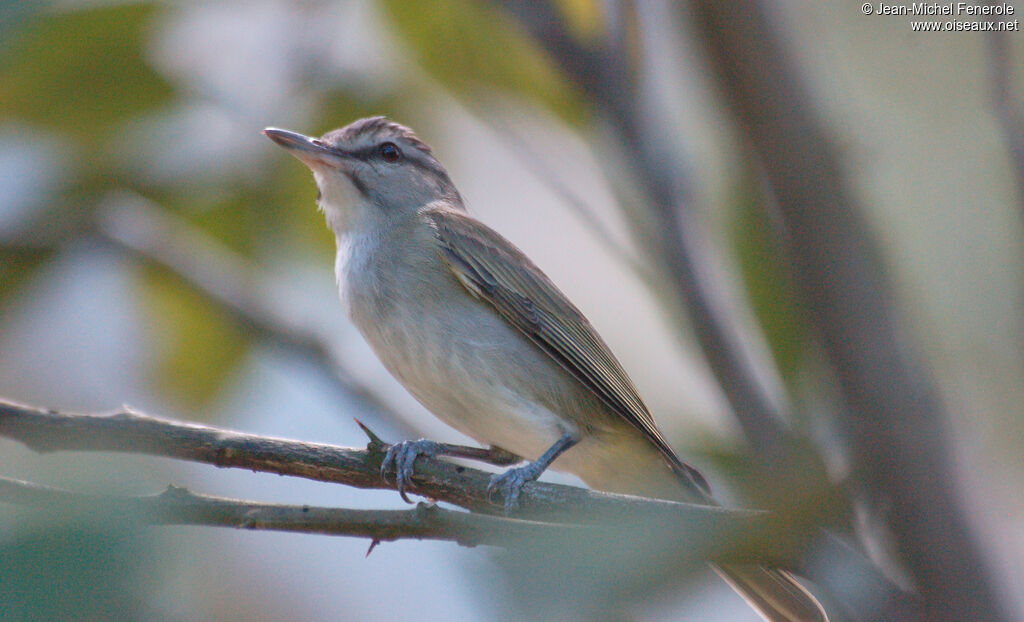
{"x":157,"y":251}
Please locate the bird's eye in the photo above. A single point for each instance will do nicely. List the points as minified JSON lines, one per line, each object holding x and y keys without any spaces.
{"x":390,"y":152}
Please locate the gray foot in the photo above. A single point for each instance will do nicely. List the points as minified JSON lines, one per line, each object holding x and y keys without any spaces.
{"x":511,"y":483}
{"x":402,"y":456}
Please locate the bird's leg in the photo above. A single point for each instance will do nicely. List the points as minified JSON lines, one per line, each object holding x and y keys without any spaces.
{"x":402,"y":456}
{"x":511,"y":482}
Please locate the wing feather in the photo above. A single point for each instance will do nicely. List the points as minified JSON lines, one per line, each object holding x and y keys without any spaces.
{"x":493,"y":269}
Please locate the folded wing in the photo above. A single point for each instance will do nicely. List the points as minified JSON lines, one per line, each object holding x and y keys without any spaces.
{"x":494,"y":270}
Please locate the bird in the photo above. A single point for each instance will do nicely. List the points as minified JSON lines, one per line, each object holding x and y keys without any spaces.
{"x":480,"y":336}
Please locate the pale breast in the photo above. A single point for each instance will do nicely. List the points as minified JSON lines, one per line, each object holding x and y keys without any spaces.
{"x":452,"y":352}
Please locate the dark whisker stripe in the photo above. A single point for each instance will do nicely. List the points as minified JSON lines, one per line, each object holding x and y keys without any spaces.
{"x":359,"y":185}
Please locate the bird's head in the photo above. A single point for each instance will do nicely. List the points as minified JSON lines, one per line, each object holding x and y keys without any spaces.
{"x":372,"y":170}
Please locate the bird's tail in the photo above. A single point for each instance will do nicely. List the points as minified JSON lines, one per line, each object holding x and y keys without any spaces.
{"x":773,"y":593}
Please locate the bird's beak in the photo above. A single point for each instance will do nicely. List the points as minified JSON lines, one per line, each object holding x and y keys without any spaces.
{"x":311,"y":151}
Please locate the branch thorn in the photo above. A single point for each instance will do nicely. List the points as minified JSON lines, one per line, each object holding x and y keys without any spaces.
{"x":375,"y":444}
{"x":373,"y":544}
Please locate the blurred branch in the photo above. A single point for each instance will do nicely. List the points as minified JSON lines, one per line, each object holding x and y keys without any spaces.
{"x":895,"y":422}
{"x":603,"y":73}
{"x":134,"y":225}
{"x":535,"y":163}
{"x":178,"y":506}
{"x":1007,"y":112}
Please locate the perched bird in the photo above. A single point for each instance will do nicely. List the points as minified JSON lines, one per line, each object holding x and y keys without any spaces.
{"x":485,"y":341}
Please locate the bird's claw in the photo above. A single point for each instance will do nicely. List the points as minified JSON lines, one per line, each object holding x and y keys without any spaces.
{"x":511,"y":483}
{"x":402,"y":456}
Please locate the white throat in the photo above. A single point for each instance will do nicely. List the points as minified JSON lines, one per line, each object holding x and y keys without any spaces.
{"x":341,"y":202}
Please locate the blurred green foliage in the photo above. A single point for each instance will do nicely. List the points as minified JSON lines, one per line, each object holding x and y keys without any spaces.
{"x":199,"y":344}
{"x":769,"y":285}
{"x":469,"y":46}
{"x":76,"y":573}
{"x":77,"y":74}
{"x":17,"y":267}
{"x":81,"y":72}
